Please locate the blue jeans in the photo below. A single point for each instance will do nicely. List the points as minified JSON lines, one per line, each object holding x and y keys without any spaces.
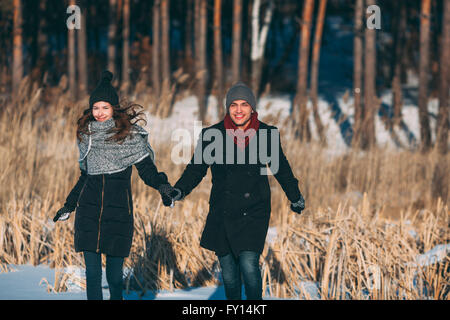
{"x":114,"y":276}
{"x":247,"y":264}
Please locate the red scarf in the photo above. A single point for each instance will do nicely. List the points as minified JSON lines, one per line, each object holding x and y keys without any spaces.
{"x":242,"y":137}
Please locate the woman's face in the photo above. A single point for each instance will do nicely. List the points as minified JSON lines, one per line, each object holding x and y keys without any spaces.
{"x":102,"y":111}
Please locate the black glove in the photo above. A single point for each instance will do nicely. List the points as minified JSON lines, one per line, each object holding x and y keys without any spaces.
{"x":62,"y":214}
{"x":165,"y":190}
{"x":298,"y":206}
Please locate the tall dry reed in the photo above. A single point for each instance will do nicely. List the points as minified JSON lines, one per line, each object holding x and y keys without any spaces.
{"x":369,"y":215}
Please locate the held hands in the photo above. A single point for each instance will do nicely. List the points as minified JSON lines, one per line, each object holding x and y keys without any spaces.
{"x":298,"y":206}
{"x":62,"y":214}
{"x":169,"y":194}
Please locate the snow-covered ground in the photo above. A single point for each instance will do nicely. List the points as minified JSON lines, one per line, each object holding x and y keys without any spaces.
{"x":336,"y":111}
{"x":27,"y":282}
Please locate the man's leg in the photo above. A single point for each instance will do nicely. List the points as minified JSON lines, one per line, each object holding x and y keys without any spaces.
{"x":249,"y":265}
{"x":231,"y":276}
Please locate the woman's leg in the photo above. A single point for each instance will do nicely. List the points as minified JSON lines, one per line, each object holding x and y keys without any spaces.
{"x":249,"y":265}
{"x":93,"y":262}
{"x":114,"y":276}
{"x":231,"y":276}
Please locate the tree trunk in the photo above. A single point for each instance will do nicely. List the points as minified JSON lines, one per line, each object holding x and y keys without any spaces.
{"x":301,"y":99}
{"x":112,"y":30}
{"x":399,"y":42}
{"x":315,"y":69}
{"x":165,"y":51}
{"x":72,"y":61}
{"x":82,"y":55}
{"x":237,"y":39}
{"x":156,"y":67}
{"x":444,"y":83}
{"x":259,"y":38}
{"x":42,"y":40}
{"x":218,"y":58}
{"x":126,"y":48}
{"x":189,"y":54}
{"x":17,"y":70}
{"x":357,"y":73}
{"x":370,"y":99}
{"x":425,"y":134}
{"x":201,"y":58}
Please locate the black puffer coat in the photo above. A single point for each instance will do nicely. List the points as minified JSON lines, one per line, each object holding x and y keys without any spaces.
{"x":104,"y":209}
{"x":239,"y":211}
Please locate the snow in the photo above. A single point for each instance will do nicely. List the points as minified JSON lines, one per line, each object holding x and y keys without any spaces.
{"x":438,"y":253}
{"x":36,"y":282}
{"x":27,"y":282}
{"x":335,"y":107}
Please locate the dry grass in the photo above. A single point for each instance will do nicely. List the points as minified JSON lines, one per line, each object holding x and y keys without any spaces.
{"x":354,"y":238}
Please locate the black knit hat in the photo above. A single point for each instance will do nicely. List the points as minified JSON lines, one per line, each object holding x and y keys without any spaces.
{"x":240,"y":91}
{"x":104,"y":91}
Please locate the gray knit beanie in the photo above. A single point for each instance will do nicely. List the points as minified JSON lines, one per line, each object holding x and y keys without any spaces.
{"x":240,"y":91}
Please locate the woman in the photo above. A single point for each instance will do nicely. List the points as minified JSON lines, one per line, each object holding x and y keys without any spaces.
{"x":109,"y":142}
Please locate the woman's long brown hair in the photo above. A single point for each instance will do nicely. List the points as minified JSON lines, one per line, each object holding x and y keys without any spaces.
{"x":125,"y":115}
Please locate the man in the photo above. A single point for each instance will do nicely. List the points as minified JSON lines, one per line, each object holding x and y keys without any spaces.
{"x":238,"y":151}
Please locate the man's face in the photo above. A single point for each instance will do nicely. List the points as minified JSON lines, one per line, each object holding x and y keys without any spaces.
{"x":102,"y":111}
{"x":240,"y":112}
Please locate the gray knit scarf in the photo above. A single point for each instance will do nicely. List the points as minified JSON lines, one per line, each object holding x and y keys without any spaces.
{"x":98,"y":156}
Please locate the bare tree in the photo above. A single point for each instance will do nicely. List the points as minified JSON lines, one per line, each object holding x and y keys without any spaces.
{"x":357,"y":72}
{"x":156,"y":68}
{"x":440,"y":182}
{"x":42,"y":40}
{"x":72,"y":60}
{"x":399,"y":43}
{"x":17,"y":70}
{"x":444,"y":83}
{"x":82,"y":54}
{"x":126,"y":47}
{"x":315,"y":69}
{"x":301,"y":98}
{"x":218,"y":57}
{"x":259,"y":38}
{"x":200,"y":57}
{"x":188,"y":52}
{"x":237,"y":39}
{"x":370,"y":98}
{"x":424,"y":64}
{"x":165,"y":50}
{"x":112,"y":30}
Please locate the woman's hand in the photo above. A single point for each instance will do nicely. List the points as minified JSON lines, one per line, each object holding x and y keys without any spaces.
{"x":165,"y":190}
{"x":62,"y":214}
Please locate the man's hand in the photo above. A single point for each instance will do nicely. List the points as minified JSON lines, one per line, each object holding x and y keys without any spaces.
{"x":298,"y":206}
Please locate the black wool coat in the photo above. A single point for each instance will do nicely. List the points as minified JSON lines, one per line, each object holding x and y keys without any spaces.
{"x":239,"y":210}
{"x":104,"y":208}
